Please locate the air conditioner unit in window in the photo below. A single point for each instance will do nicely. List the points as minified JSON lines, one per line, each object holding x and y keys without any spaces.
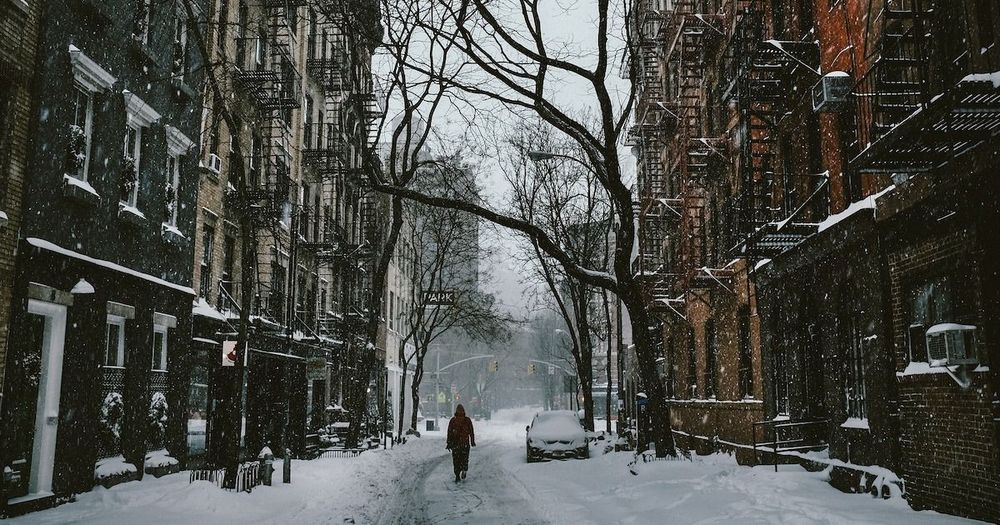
{"x":214,"y":163}
{"x":951,"y":344}
{"x":831,"y":92}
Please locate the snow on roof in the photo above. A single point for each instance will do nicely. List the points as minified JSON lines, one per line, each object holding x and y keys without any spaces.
{"x":993,"y":77}
{"x":867,"y":203}
{"x":79,"y":183}
{"x":204,"y":340}
{"x":52,"y":247}
{"x":201,"y":308}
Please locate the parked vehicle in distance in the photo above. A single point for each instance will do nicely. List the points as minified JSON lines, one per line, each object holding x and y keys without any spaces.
{"x":556,"y":434}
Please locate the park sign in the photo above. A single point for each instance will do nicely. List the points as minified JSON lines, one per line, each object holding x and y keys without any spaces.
{"x":439,"y":298}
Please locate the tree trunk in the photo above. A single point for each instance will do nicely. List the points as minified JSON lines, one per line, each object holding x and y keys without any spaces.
{"x":607,"y":365}
{"x":418,"y":376}
{"x":585,"y":367}
{"x":402,"y":403}
{"x":658,"y":409}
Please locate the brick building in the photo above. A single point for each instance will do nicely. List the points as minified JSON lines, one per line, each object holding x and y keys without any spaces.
{"x":101,"y":295}
{"x":19,"y":27}
{"x":296,"y":78}
{"x":858,"y":136}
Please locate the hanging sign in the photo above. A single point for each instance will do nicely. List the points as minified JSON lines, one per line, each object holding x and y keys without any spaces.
{"x":440,"y":298}
{"x":229,"y":353}
{"x":316,"y":368}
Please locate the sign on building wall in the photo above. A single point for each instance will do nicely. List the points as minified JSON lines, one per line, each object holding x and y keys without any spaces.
{"x":316,"y":368}
{"x":229,"y":353}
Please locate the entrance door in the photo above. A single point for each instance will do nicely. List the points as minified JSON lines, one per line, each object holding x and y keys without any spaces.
{"x":53,"y":320}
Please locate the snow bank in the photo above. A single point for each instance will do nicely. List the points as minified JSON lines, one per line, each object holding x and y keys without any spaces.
{"x":201,"y":308}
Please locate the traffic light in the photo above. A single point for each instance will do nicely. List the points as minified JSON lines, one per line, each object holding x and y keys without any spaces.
{"x":494,"y":365}
{"x":531,"y":368}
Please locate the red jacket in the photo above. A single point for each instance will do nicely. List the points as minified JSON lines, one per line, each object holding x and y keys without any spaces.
{"x":461,"y":433}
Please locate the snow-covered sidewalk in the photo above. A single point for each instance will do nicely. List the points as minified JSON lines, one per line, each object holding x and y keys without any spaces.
{"x":413,"y":483}
{"x":322,"y":491}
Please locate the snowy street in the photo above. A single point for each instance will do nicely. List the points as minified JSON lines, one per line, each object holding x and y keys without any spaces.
{"x":413,"y":483}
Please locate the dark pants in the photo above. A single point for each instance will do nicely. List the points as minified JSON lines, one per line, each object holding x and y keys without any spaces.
{"x":460,"y":458}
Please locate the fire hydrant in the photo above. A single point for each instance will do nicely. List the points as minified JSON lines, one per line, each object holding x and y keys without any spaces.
{"x":266,"y":464}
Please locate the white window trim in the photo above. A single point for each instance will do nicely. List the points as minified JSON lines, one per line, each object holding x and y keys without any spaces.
{"x":177,"y":142}
{"x":161,"y":329}
{"x":88,"y":73}
{"x":174,"y":178}
{"x":120,"y":358}
{"x":88,"y":130}
{"x":136,"y":153}
{"x":139,"y":113}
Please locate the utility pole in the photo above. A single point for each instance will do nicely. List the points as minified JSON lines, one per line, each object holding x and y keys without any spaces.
{"x":289,"y":319}
{"x":437,"y":390}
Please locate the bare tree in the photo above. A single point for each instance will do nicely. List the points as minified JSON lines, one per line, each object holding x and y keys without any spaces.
{"x":446,"y":260}
{"x":565,"y":199}
{"x":509,"y":60}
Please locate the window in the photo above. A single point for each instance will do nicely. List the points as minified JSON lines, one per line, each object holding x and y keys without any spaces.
{"x":223,"y":23}
{"x":228,"y":264}
{"x":984,"y":21}
{"x":130,"y":165}
{"x":692,"y":371}
{"x":392,"y":310}
{"x":159,"y":363}
{"x":293,"y":19}
{"x":307,"y":131}
{"x":930,"y":304}
{"x":241,"y":34}
{"x":142,"y":17}
{"x":260,"y":50}
{"x":114,"y":350}
{"x":172,"y":193}
{"x":854,"y":380}
{"x":179,"y":66}
{"x":778,"y":366}
{"x":207,"y":251}
{"x":81,"y":132}
{"x":746,"y":357}
{"x":711,"y":377}
{"x":311,"y":42}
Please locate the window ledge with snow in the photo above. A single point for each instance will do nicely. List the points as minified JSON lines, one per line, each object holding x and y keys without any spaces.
{"x":172,"y":235}
{"x":146,"y":53}
{"x":859,"y":423}
{"x":80,"y":191}
{"x":3,"y":218}
{"x":182,"y":90}
{"x":131,"y":215}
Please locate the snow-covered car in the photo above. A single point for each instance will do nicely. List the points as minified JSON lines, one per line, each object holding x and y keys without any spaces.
{"x":556,"y":434}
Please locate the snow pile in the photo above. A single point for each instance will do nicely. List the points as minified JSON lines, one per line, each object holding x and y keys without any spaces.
{"x":159,"y":458}
{"x":867,"y":203}
{"x":111,"y":467}
{"x":203,"y":309}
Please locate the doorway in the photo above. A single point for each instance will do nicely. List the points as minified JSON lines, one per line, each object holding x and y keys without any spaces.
{"x":49,"y":339}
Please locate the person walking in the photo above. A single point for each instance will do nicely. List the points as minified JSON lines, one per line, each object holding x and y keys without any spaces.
{"x":461,"y":436}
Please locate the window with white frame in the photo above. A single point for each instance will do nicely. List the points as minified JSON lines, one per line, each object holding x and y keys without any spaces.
{"x":159,"y":363}
{"x":171,"y":191}
{"x":114,"y":353}
{"x":177,"y":145}
{"x":139,"y":115}
{"x":131,"y":156}
{"x":179,"y":66}
{"x":80,"y":132}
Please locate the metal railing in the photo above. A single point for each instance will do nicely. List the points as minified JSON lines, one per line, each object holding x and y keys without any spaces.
{"x":787,"y":436}
{"x":247,"y":476}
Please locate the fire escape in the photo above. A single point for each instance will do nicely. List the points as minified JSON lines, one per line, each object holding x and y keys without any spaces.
{"x":923,"y":100}
{"x":267,"y":77}
{"x":760,"y":74}
{"x":676,"y":156}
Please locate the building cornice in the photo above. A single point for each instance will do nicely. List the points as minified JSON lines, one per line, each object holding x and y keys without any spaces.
{"x":88,"y":72}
